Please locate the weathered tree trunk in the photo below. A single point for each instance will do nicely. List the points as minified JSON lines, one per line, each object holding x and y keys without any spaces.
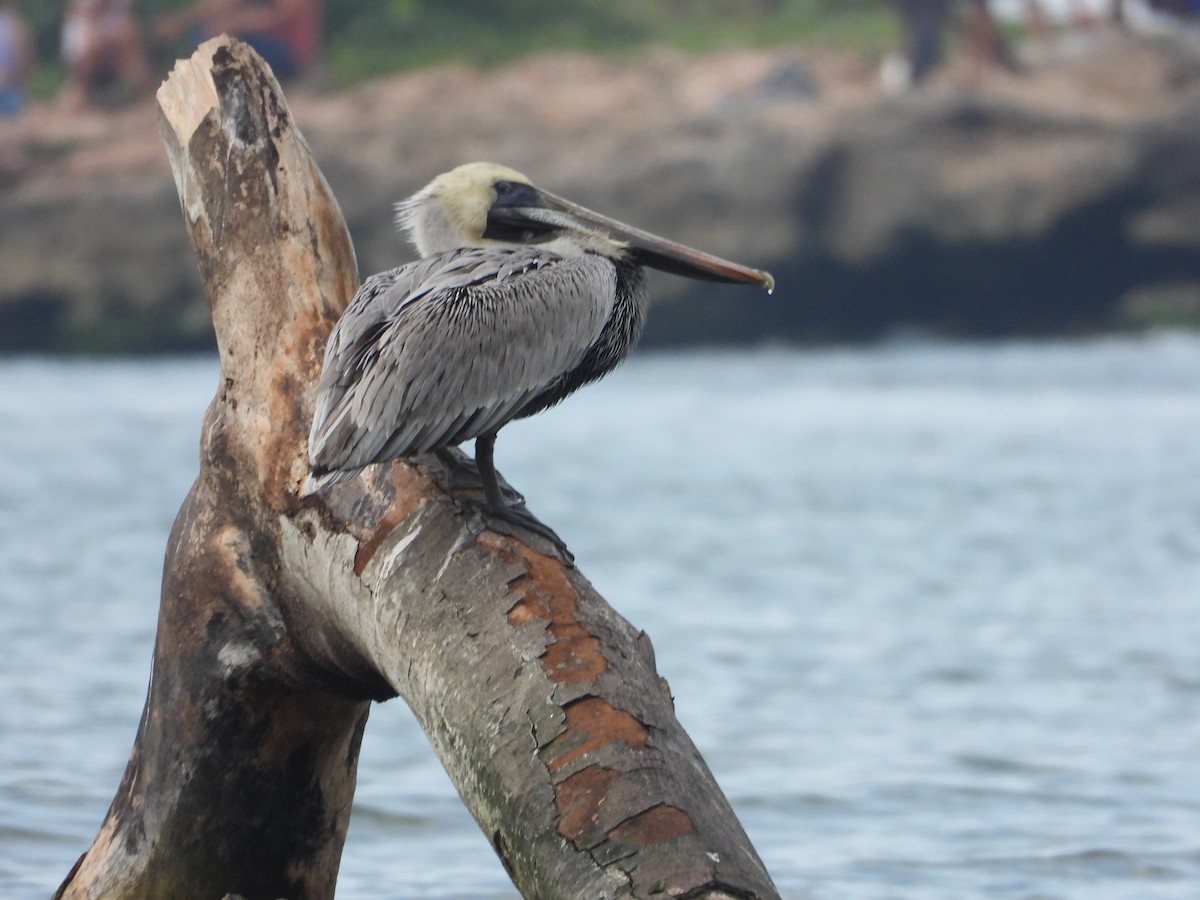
{"x":282,"y":618}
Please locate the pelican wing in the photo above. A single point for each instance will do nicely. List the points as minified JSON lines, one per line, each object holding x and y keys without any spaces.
{"x":451,"y":347}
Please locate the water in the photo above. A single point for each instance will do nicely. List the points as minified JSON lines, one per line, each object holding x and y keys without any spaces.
{"x":930,"y":613}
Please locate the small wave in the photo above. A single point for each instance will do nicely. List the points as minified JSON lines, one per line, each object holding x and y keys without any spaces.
{"x":368,"y":814}
{"x":1004,"y":765}
{"x":1100,"y":864}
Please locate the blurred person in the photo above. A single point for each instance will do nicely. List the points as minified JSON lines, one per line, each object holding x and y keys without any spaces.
{"x":102,"y":46}
{"x":923,"y":22}
{"x":988,"y":48}
{"x":16,"y":59}
{"x":286,"y":33}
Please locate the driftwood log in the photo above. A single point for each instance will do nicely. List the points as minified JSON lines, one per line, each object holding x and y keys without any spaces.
{"x":283,"y":618}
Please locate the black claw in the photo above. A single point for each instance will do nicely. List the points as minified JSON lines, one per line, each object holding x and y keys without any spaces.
{"x":522,"y":518}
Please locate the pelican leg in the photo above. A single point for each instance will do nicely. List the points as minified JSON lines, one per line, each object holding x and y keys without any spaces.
{"x":485,"y":449}
{"x":514,"y":514}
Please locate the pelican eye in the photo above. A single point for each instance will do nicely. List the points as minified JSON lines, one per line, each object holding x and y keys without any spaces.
{"x":515,"y":194}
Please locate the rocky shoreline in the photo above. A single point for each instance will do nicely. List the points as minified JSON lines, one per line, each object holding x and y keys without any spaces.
{"x":1061,"y":200}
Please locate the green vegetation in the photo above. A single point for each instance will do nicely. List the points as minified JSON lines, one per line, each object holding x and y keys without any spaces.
{"x":385,"y":35}
{"x":365,"y":38}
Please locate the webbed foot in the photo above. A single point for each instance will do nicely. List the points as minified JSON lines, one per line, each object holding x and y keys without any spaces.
{"x":518,"y":516}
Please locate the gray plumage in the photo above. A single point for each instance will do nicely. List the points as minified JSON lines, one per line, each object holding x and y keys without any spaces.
{"x":454,"y":346}
{"x":519,"y":298}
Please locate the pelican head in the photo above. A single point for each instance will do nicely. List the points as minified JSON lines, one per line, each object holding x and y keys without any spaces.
{"x":484,"y":204}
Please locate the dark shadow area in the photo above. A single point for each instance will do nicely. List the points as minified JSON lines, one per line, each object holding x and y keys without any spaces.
{"x":31,"y":323}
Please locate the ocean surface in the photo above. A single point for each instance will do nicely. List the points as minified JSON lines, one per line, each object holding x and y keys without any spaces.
{"x":931,"y":613}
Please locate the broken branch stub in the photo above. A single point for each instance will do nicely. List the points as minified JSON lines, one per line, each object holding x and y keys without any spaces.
{"x":282,"y":618}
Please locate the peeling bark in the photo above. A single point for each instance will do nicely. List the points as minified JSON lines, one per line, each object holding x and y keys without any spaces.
{"x":283,"y":618}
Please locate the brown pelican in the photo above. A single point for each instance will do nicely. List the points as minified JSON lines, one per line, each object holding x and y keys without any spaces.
{"x":519,"y":299}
